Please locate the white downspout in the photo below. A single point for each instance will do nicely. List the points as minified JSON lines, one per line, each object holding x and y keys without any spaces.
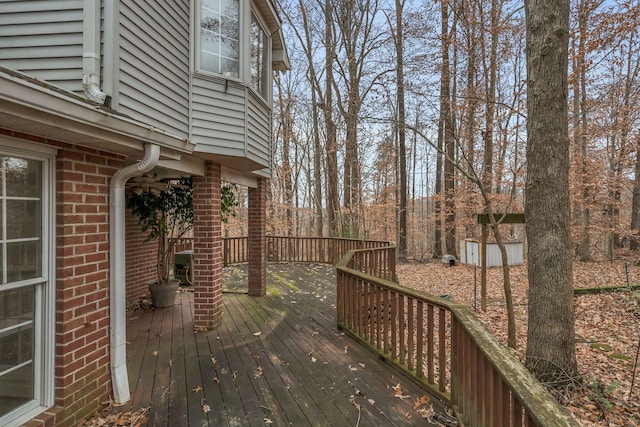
{"x":91,"y":53}
{"x":117,"y":313}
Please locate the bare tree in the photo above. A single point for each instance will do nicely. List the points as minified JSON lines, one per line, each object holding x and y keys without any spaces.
{"x":551,"y":347}
{"x":401,"y":126}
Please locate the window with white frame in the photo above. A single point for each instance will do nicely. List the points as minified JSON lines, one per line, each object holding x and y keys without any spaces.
{"x":231,"y":41}
{"x":259,"y":65}
{"x":26,"y":320}
{"x":220,"y":37}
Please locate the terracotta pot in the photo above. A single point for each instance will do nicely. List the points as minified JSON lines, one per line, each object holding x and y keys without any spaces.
{"x":164,"y":294}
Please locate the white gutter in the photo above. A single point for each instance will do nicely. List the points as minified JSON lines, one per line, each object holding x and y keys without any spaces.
{"x":91,"y":53}
{"x":117,"y":313}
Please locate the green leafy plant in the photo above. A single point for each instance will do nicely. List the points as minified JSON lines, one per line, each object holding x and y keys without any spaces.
{"x":228,"y":201}
{"x":601,"y":394}
{"x":164,"y":208}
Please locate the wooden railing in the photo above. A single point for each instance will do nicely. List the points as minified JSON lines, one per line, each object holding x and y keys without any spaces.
{"x":182,"y":244}
{"x":443,"y":345}
{"x":234,"y":250}
{"x":324,"y":250}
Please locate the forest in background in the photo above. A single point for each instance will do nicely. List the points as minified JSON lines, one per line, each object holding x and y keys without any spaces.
{"x":401,"y":120}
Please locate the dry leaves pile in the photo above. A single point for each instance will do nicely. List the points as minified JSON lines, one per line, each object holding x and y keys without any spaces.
{"x":112,"y":417}
{"x":607,"y":329}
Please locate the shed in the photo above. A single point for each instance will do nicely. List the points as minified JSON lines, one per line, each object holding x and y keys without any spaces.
{"x":470,"y":253}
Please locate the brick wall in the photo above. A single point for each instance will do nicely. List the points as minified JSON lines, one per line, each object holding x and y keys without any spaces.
{"x":82,"y":370}
{"x":256,"y":240}
{"x":140,"y":259}
{"x":207,"y":250}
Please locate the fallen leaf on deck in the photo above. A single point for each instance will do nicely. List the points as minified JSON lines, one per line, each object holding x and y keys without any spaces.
{"x":258,"y":372}
{"x":155,"y":353}
{"x":354,"y":403}
{"x":426,"y":413}
{"x":399,"y":393}
{"x":206,"y":408}
{"x":371,"y":401}
{"x":422,"y":400}
{"x":197,"y":389}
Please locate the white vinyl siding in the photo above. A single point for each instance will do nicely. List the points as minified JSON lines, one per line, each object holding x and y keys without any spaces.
{"x":259,"y":130}
{"x":43,"y":39}
{"x":218,"y":116}
{"x":154,"y":63}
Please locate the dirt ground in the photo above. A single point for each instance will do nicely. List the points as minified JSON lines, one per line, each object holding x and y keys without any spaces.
{"x":607,"y":328}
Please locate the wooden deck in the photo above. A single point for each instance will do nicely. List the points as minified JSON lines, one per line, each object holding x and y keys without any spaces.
{"x":275,"y":360}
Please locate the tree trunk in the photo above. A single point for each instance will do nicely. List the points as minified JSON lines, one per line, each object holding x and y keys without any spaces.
{"x":286,"y":135}
{"x":506,"y":284}
{"x":635,"y":207}
{"x":446,"y":142}
{"x":584,"y":251}
{"x":551,"y":347}
{"x":402,"y":148}
{"x":333,"y":199}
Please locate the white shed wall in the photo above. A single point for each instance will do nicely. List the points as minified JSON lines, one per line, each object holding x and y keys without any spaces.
{"x":470,"y":253}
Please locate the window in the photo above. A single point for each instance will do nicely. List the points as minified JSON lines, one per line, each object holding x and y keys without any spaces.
{"x":232,"y":42}
{"x":220,"y":37}
{"x":26,"y":322}
{"x":259,"y":58}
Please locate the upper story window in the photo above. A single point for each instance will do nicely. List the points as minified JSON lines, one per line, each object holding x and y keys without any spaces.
{"x":259,"y":57}
{"x":233,"y":42}
{"x":220,"y":37}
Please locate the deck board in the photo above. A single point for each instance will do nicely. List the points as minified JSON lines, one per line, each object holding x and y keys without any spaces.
{"x":178,"y":413}
{"x":276,"y":359}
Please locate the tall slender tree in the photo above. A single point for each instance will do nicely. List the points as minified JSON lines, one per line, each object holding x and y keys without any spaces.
{"x":551,"y":346}
{"x":446,"y":132}
{"x":401,"y":126}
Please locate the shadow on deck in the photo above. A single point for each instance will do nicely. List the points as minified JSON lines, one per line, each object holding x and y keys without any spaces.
{"x":274,"y":360}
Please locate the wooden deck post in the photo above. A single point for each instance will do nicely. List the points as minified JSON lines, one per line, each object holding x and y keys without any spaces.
{"x":207,"y":248}
{"x":257,"y":242}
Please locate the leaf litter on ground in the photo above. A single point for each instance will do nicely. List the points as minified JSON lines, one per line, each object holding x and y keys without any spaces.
{"x":602,"y":322}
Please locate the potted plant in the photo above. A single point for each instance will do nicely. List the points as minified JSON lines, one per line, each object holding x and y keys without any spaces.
{"x":164,"y":208}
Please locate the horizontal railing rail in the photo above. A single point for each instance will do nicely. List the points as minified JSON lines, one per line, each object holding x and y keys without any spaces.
{"x":323,"y":250}
{"x":443,"y":345}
